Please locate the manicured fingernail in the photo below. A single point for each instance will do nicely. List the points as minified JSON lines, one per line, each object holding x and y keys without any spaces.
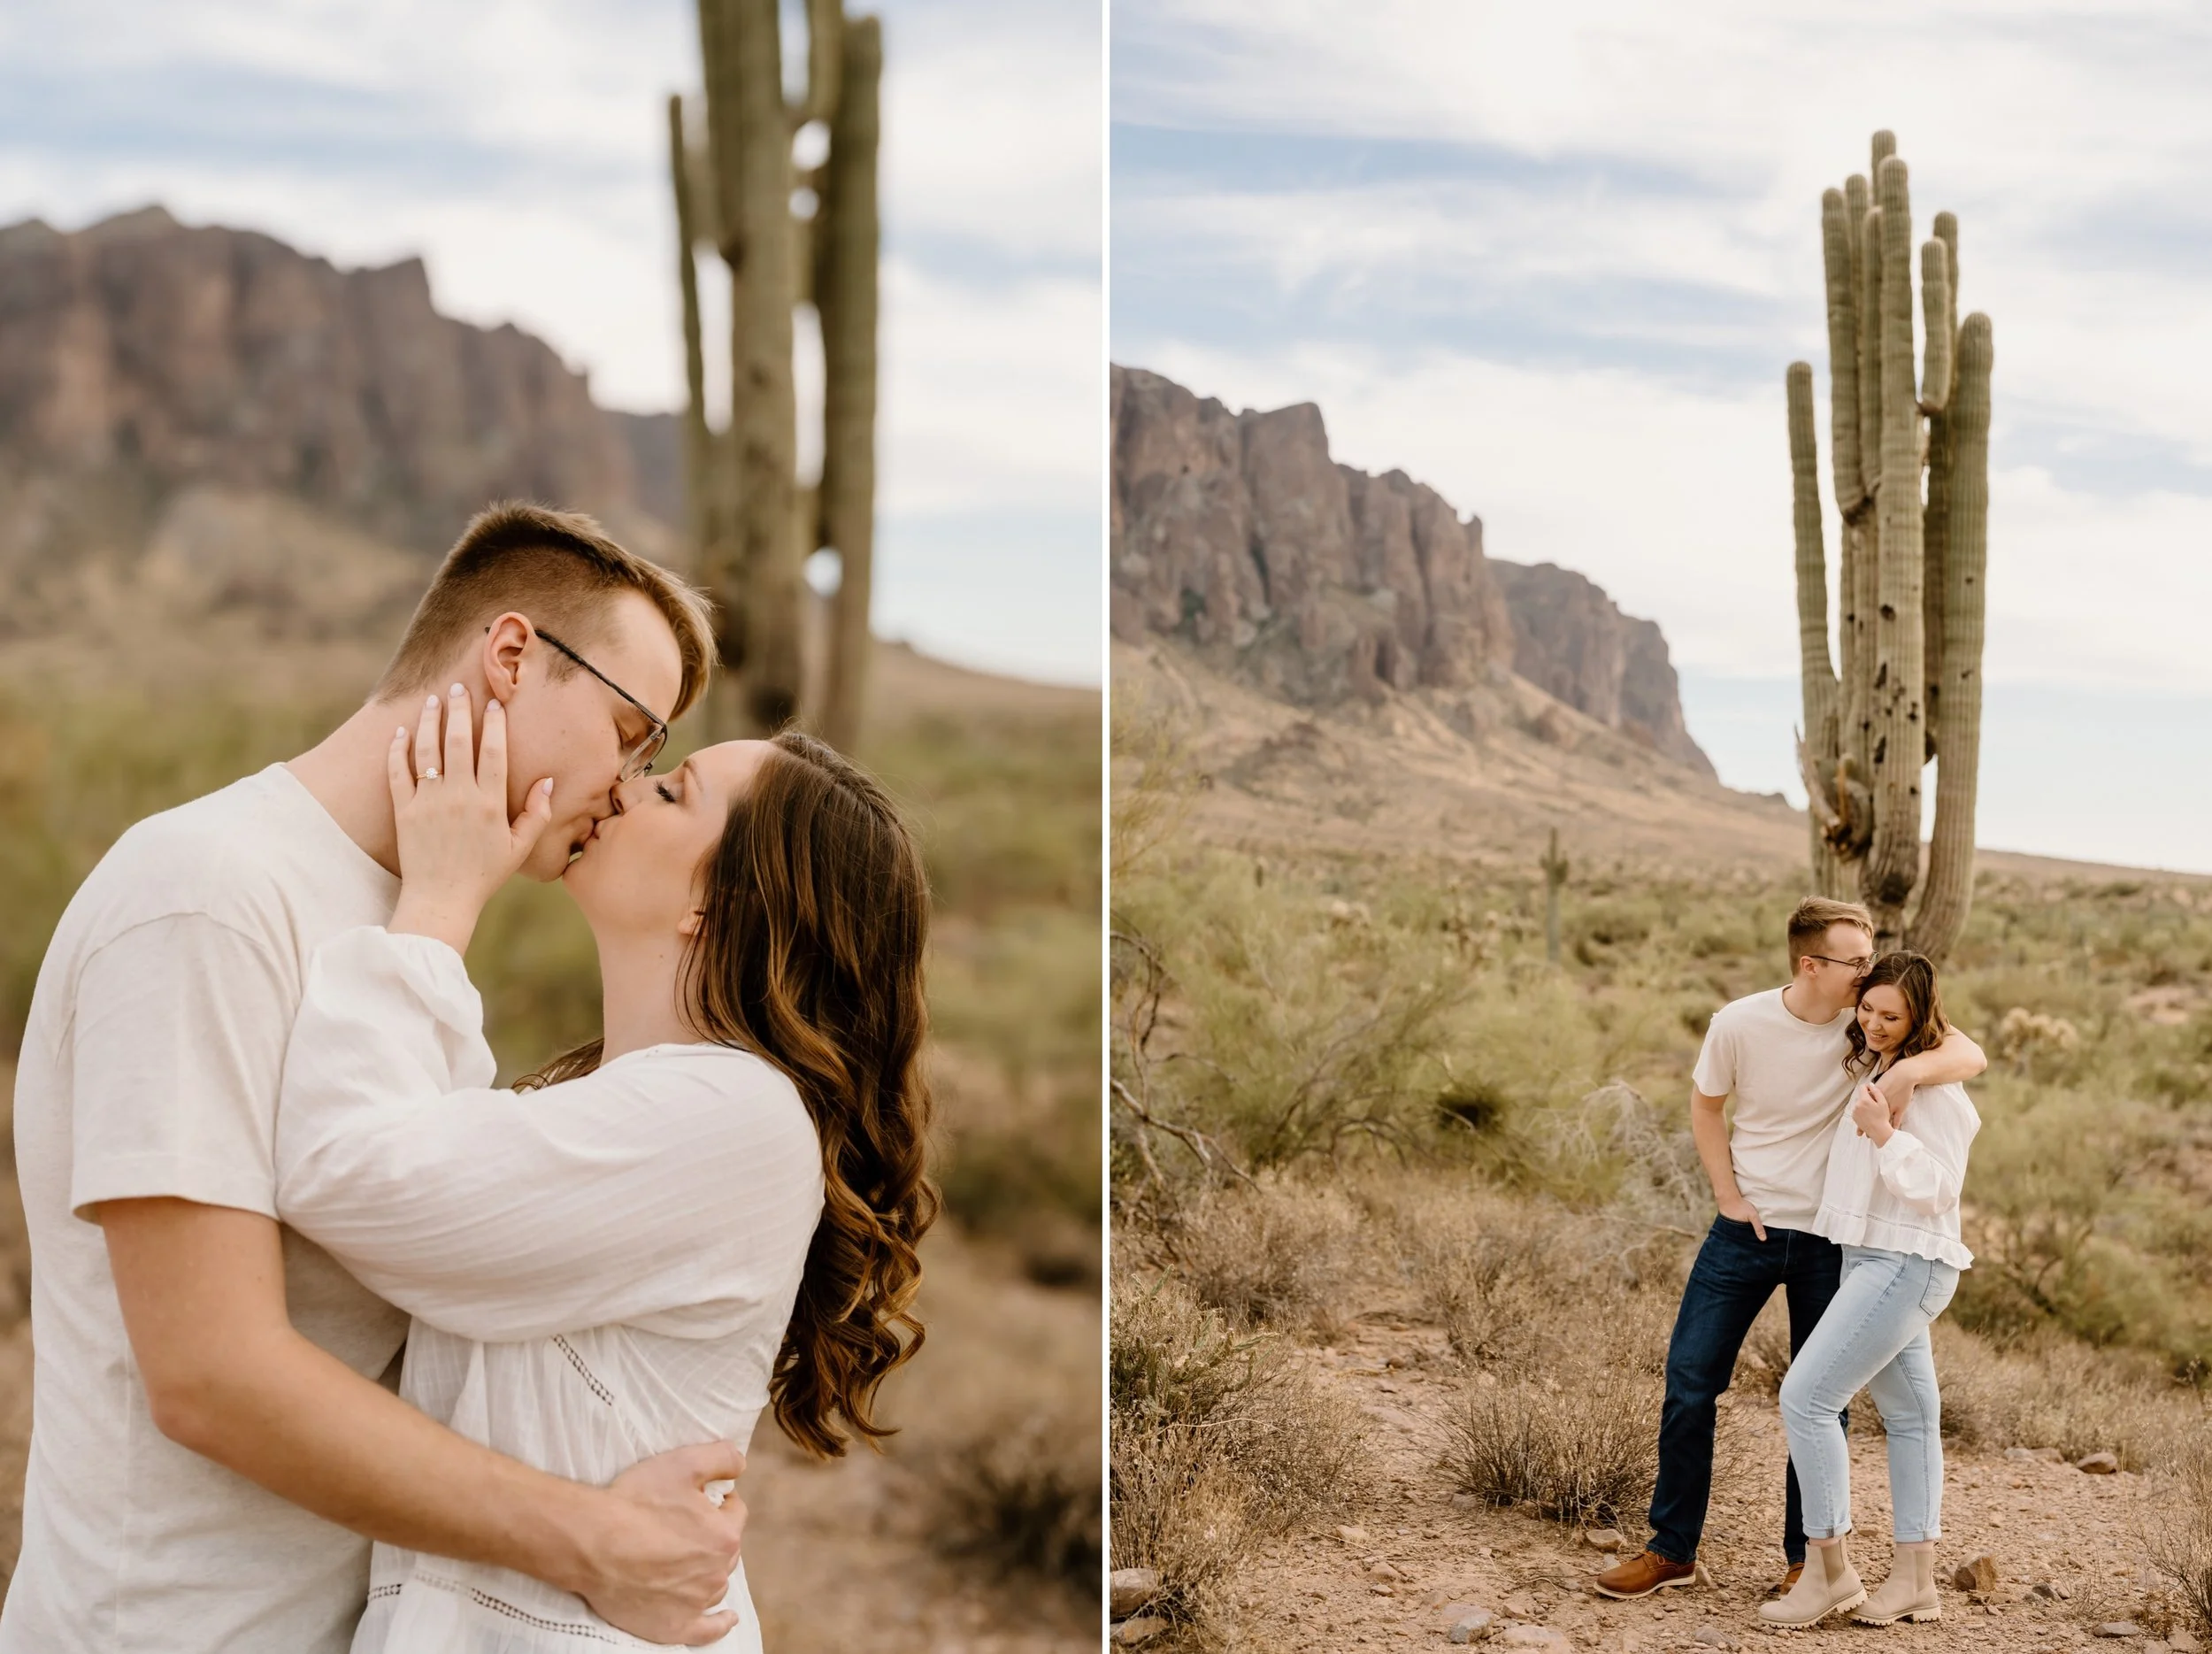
{"x":456,"y":689}
{"x":546,"y":786}
{"x":431,"y":702}
{"x":400,"y":733}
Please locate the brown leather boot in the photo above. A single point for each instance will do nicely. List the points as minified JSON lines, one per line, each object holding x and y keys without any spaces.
{"x":1641,"y":1574}
{"x":1789,"y":1582}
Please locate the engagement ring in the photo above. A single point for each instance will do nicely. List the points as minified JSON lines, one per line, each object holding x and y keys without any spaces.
{"x":431,"y":775}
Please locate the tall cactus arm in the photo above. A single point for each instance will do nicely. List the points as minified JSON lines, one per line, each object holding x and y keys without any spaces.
{"x":1946,"y":231}
{"x":725,"y":140}
{"x":825,"y":46}
{"x":1815,"y":661}
{"x":1843,"y":352}
{"x":1884,"y":146}
{"x":1898,"y":726}
{"x":763,"y":416}
{"x":697,"y":446}
{"x":1935,"y":304}
{"x":1815,"y":671}
{"x":1870,"y":346}
{"x":1947,"y":895}
{"x":848,"y":239}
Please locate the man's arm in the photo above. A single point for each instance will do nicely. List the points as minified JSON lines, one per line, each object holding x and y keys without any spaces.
{"x":226,"y":1375}
{"x":1956,"y":1061}
{"x":1708,"y":1129}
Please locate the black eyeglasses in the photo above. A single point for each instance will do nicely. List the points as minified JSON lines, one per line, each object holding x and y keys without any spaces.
{"x":1858,"y":967}
{"x":638,"y":759}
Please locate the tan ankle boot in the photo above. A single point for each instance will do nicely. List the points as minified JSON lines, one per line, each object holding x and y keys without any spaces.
{"x":1909,"y":1593}
{"x":1829,"y":1583}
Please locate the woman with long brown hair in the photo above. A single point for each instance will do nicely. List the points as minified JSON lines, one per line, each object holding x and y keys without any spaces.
{"x":711,"y":1210}
{"x":1891,"y":1202}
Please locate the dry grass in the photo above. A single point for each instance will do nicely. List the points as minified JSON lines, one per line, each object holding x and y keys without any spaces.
{"x":2057,"y":1393}
{"x":1220,"y":1441}
{"x":2177,"y":1528}
{"x":1280,"y":1254}
{"x":1023,"y":1494}
{"x":1583,"y":1452}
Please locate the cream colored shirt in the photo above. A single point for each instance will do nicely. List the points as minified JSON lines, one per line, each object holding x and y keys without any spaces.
{"x":1904,"y":1196}
{"x":1787,"y":1076}
{"x":598,"y":1271}
{"x":151,"y":1066}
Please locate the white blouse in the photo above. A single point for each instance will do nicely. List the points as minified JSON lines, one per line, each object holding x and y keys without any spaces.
{"x":1904,"y":1196}
{"x":598,"y":1271}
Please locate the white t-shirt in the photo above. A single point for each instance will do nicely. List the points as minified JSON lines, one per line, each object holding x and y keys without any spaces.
{"x":1786,"y":1075}
{"x":599,"y":1271}
{"x":151,"y":1066}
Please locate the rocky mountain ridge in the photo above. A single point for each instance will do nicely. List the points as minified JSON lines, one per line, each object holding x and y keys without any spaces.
{"x":1320,"y":584}
{"x":164,"y":385}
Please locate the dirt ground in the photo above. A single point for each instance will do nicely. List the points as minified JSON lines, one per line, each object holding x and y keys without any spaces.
{"x":2042,"y":1522}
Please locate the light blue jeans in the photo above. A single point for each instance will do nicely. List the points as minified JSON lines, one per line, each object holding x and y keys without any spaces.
{"x":1873,"y":1336}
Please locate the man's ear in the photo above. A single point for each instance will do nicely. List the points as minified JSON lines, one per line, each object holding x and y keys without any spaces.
{"x":505,"y":641}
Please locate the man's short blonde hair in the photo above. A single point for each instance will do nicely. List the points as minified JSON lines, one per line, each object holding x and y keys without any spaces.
{"x":561,"y":570}
{"x":1809,"y":923}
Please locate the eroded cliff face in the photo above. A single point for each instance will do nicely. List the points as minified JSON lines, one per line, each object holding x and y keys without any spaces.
{"x":1571,"y":641}
{"x":156,"y":378}
{"x":1318,"y":583}
{"x":1240,"y":533}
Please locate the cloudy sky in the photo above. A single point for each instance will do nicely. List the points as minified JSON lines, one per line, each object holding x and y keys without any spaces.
{"x":521,"y":149}
{"x":1553,"y":260}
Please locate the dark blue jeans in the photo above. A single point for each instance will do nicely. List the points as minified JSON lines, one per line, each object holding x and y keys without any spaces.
{"x":1735,"y":1274}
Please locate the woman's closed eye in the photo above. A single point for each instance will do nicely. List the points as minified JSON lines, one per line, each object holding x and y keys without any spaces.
{"x":662,"y":788}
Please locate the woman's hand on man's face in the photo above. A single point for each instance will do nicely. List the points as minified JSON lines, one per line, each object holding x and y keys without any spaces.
{"x":456,"y":843}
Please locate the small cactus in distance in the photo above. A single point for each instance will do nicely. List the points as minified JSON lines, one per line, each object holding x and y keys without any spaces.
{"x":1554,"y":865}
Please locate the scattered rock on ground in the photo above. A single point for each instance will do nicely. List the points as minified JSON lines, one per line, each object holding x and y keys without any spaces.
{"x":1467,"y":1623}
{"x":1520,"y":1607}
{"x":1131,"y":1633}
{"x":2098,"y":1464}
{"x":2118,"y":1628}
{"x":2183,"y":1643}
{"x":1352,"y":1534}
{"x":1602,"y":1538}
{"x":1541,"y":1637}
{"x":1384,"y":1572}
{"x":1712,"y":1636}
{"x":1129,"y":1589}
{"x":1980,"y":1574}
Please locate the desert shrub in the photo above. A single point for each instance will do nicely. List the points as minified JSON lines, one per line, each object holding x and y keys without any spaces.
{"x":1290,"y":1036}
{"x":1023,"y":1493}
{"x":1220,"y":1440}
{"x":1584,"y":1452}
{"x":2055,"y":1392}
{"x":2176,"y":1529}
{"x":1277,"y":1253}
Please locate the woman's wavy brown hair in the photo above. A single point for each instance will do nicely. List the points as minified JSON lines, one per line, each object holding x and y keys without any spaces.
{"x":816,"y":910}
{"x":1914,"y":976}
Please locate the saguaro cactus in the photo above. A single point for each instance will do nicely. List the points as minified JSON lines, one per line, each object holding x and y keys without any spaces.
{"x":1554,"y":865}
{"x":751,"y":523}
{"x":1911,"y":572}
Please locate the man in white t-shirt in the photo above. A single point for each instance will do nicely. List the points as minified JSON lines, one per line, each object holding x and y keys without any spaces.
{"x":1779,"y":1055}
{"x":215,"y":1440}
